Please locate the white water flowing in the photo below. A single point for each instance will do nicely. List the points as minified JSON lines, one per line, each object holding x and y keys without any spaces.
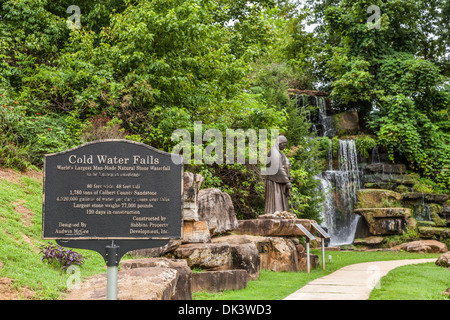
{"x":340,"y":187}
{"x":325,"y":120}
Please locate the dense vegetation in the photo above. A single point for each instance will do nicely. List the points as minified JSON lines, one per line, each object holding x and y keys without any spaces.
{"x":141,"y":69}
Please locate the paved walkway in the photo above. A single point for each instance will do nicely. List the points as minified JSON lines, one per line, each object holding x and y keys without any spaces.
{"x":353,"y":282}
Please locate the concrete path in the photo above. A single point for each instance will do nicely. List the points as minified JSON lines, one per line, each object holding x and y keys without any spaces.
{"x":353,"y":282}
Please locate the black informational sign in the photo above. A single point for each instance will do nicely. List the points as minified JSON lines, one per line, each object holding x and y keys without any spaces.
{"x":112,"y":190}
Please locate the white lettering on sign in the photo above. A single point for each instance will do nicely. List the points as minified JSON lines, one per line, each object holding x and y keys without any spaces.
{"x":104,"y":159}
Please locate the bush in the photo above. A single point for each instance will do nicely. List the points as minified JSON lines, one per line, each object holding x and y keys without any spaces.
{"x":59,"y":257}
{"x":364,"y":145}
{"x":103,"y":127}
{"x":12,"y":156}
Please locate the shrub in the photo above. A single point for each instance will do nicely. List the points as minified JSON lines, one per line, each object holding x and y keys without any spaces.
{"x":12,"y":156}
{"x":59,"y":257}
{"x":103,"y":127}
{"x":364,"y":145}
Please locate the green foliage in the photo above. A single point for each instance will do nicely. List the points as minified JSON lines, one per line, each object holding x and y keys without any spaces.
{"x":409,"y":133}
{"x":425,"y":185}
{"x":365,"y":144}
{"x":395,"y":76}
{"x":144,"y":69}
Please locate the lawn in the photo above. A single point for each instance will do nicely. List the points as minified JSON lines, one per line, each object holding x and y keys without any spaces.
{"x":277,"y":285}
{"x":20,"y":239}
{"x":424,"y":281}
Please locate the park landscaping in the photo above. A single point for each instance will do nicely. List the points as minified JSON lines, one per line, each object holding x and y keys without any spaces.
{"x":360,"y":91}
{"x":32,"y":278}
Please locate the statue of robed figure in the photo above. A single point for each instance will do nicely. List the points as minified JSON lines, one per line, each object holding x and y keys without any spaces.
{"x":278,"y":183}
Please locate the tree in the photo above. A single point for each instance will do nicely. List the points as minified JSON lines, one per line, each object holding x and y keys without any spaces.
{"x":400,"y":67}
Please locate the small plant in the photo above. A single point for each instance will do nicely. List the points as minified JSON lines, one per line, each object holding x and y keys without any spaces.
{"x":364,"y":145}
{"x":58,"y":256}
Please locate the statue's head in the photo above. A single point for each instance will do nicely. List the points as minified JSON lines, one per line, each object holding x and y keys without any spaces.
{"x":282,"y":142}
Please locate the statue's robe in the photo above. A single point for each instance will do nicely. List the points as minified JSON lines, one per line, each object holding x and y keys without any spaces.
{"x":276,"y":190}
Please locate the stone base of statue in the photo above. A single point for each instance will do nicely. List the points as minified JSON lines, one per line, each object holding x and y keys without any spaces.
{"x":273,"y":227}
{"x":278,"y":215}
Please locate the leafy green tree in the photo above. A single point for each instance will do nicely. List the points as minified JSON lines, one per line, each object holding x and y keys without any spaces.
{"x":393,"y":74}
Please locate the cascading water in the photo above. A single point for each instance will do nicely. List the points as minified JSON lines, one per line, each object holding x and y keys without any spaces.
{"x":322,"y":124}
{"x":325,"y":120}
{"x":340,"y":187}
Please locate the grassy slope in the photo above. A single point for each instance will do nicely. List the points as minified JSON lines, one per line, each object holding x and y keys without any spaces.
{"x":20,"y":239}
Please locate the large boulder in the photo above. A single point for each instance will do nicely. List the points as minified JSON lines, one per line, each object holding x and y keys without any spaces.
{"x":444,"y":260}
{"x":216,"y":207}
{"x":281,"y":256}
{"x":376,"y":198}
{"x":433,"y":232}
{"x":244,"y":254}
{"x":183,"y":285}
{"x":209,"y":256}
{"x":426,"y":197}
{"x":423,"y":246}
{"x":386,"y":221}
{"x":135,"y":284}
{"x":347,"y":122}
{"x":273,"y":227}
{"x":276,"y":253}
{"x":196,"y":232}
{"x":218,"y":281}
{"x":369,"y":241}
{"x":158,"y":251}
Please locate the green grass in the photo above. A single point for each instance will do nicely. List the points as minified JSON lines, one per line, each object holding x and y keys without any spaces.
{"x":424,"y":281}
{"x":277,"y":285}
{"x":20,"y":242}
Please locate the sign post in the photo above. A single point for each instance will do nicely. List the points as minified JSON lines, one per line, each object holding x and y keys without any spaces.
{"x":325,"y":237}
{"x":309,"y":237}
{"x":112,"y":196}
{"x":112,"y":264}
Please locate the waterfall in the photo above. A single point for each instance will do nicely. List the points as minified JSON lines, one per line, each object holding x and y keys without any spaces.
{"x":325,"y":120}
{"x":340,"y":187}
{"x":322,"y":124}
{"x":375,"y":156}
{"x":330,"y":155}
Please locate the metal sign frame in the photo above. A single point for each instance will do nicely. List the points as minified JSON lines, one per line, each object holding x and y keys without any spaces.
{"x":320,"y":230}
{"x":308,"y":234}
{"x":72,"y":189}
{"x":324,"y":236}
{"x":309,"y":237}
